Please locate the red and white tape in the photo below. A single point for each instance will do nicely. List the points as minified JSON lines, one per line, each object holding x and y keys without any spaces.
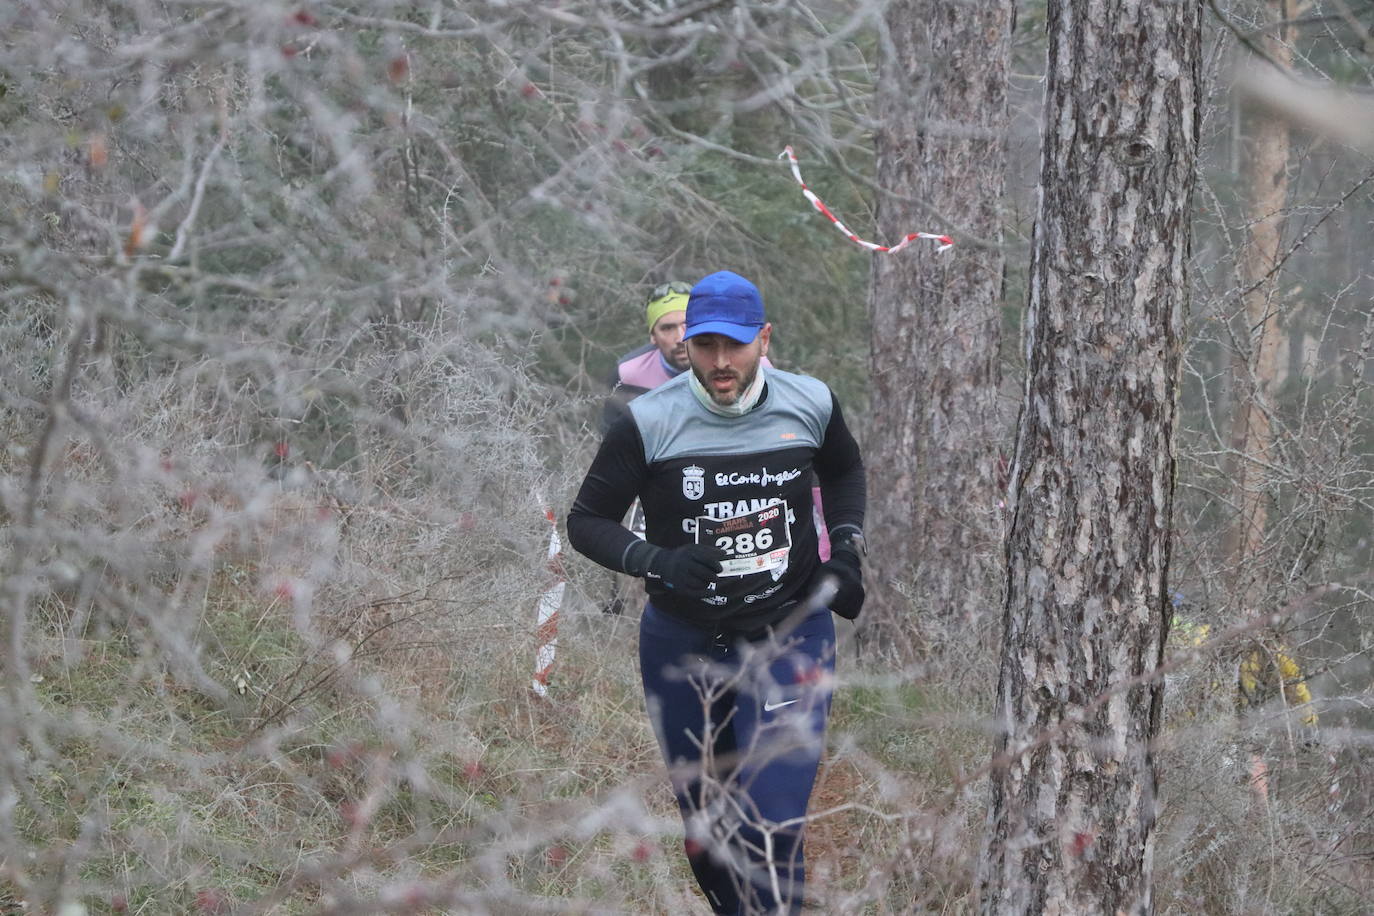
{"x":546,"y":629}
{"x":944,"y":240}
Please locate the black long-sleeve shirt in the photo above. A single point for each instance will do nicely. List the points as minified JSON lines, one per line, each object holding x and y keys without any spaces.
{"x":741,"y":483}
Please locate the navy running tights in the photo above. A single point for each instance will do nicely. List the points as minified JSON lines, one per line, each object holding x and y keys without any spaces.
{"x":741,"y":724}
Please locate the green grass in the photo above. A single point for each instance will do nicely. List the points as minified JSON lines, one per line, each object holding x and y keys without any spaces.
{"x":471,"y":782}
{"x":238,"y":795}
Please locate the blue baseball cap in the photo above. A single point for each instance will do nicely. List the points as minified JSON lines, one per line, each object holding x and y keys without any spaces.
{"x":725,"y":303}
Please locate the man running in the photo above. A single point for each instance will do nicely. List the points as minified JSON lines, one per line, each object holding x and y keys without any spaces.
{"x":736,"y":648}
{"x":664,"y":357}
{"x":646,"y":367}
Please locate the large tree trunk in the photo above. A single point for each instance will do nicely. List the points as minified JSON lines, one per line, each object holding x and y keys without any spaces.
{"x":1073,"y":798}
{"x":1255,"y":364}
{"x":932,"y":446}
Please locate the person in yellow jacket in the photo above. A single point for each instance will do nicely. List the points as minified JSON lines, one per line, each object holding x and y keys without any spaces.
{"x":1266,"y":671}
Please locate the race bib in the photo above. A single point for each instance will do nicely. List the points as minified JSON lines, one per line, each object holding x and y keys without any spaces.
{"x":754,"y":542}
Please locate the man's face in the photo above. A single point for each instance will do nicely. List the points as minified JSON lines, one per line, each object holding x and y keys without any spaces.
{"x":667,"y":336}
{"x":724,"y":366}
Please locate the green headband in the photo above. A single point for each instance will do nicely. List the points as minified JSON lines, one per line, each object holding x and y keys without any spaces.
{"x":672,"y":302}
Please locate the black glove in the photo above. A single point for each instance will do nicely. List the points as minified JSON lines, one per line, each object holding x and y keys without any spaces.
{"x":846,"y":566}
{"x":687,"y":570}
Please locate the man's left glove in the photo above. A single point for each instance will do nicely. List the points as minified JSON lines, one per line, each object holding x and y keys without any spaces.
{"x":846,"y":566}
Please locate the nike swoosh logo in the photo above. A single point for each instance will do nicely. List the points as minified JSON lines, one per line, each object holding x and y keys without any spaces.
{"x":769,"y":707}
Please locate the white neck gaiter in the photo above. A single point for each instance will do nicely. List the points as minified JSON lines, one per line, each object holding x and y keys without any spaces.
{"x":742,"y":406}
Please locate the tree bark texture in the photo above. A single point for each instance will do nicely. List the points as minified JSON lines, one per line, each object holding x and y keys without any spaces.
{"x":1255,"y":362}
{"x":932,"y":447}
{"x":1073,"y":802}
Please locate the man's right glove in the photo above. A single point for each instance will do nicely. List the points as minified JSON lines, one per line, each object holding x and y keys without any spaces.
{"x":846,"y":566}
{"x":687,"y":570}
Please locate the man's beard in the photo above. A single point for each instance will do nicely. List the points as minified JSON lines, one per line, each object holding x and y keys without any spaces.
{"x":726,"y":399}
